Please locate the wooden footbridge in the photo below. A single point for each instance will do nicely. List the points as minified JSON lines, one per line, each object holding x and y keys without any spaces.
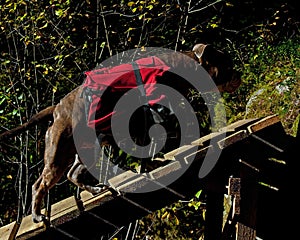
{"x":253,"y":159}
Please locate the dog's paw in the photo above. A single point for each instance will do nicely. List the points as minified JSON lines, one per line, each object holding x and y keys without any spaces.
{"x":95,"y":190}
{"x":39,"y":218}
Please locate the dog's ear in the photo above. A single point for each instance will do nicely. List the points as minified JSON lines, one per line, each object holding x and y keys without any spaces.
{"x":207,"y":57}
{"x":206,"y":53}
{"x":198,"y":49}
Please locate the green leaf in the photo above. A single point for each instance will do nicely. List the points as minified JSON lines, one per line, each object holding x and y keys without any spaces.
{"x":15,"y":111}
{"x":102,"y":44}
{"x":2,"y":100}
{"x":197,"y":195}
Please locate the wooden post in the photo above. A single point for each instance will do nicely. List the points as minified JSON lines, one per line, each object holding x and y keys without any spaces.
{"x":244,"y":206}
{"x":246,"y":224}
{"x":234,"y":190}
{"x":244,"y":232}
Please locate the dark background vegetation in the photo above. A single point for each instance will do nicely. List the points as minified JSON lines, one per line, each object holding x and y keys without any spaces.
{"x":47,"y":45}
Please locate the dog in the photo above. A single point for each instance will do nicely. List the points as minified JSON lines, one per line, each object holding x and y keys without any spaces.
{"x":69,"y":121}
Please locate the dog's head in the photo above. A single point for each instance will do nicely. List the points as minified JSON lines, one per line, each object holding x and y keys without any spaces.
{"x":219,"y":66}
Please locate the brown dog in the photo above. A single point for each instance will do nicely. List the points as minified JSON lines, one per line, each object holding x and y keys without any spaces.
{"x":69,"y":121}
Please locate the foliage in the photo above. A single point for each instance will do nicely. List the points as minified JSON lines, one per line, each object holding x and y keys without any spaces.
{"x":181,"y":220}
{"x":47,"y":45}
{"x":273,"y":77}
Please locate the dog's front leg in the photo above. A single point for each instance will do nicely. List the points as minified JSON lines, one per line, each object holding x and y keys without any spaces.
{"x":76,"y":175}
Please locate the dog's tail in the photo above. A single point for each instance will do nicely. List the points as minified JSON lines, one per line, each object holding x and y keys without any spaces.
{"x":42,"y":116}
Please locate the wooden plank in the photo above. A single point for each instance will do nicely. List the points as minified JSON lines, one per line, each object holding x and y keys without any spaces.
{"x":150,"y":165}
{"x":182,"y":154}
{"x":61,"y":212}
{"x":8,"y":231}
{"x":263,"y":123}
{"x":205,"y":140}
{"x":86,"y":196}
{"x":233,"y":138}
{"x":198,"y":155}
{"x":133,"y":185}
{"x":29,"y":229}
{"x":236,"y":126}
{"x":172,"y":155}
{"x":121,"y":178}
{"x":239,"y":125}
{"x":130,"y":182}
{"x":90,"y":201}
{"x":163,"y":171}
{"x":64,"y":211}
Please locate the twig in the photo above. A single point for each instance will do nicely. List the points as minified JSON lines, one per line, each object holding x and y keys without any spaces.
{"x":106,"y":31}
{"x":183,"y":24}
{"x":97,"y":30}
{"x":207,"y":6}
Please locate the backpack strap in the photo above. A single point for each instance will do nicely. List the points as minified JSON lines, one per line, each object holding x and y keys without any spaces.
{"x":155,"y":117}
{"x":139,"y":83}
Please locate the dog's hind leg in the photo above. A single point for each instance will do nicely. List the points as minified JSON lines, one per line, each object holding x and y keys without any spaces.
{"x":56,"y":163}
{"x":44,"y":183}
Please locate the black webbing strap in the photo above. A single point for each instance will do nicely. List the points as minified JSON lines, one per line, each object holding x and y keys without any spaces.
{"x":148,"y":117}
{"x":139,"y":83}
{"x":155,"y":117}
